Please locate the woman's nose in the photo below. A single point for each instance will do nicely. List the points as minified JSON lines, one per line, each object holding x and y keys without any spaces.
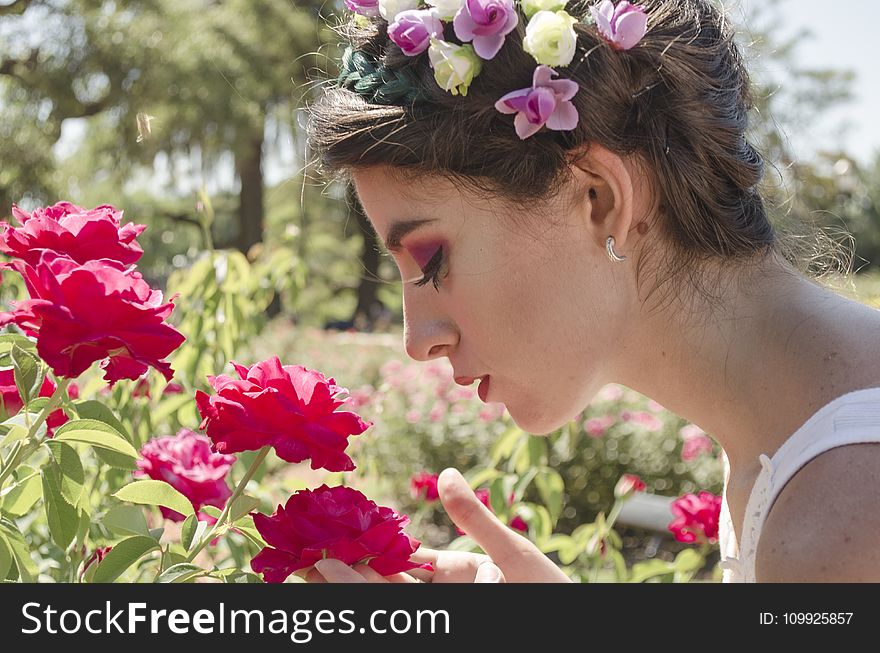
{"x":426,"y":334}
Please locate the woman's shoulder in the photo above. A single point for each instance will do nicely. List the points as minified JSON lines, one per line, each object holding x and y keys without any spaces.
{"x":824,"y":525}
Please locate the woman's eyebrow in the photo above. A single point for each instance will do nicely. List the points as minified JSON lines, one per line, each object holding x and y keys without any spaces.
{"x":400,"y":229}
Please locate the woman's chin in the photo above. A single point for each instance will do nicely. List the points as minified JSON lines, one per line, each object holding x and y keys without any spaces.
{"x":540,"y":424}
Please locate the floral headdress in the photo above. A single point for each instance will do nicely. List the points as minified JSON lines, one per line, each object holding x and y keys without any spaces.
{"x":482,"y":26}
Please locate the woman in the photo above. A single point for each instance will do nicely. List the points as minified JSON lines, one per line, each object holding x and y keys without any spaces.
{"x":611,"y":231}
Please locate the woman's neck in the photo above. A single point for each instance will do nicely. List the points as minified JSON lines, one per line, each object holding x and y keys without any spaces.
{"x":781,"y":348}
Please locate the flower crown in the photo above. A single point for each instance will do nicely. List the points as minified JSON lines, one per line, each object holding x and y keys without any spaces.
{"x":482,"y":26}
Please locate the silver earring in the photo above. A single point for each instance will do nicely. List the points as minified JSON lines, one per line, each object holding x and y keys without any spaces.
{"x":609,"y":247}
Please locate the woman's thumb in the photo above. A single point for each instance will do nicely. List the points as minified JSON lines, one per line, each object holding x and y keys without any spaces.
{"x":488,"y":572}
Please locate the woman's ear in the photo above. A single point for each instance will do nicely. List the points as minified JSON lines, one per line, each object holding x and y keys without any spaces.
{"x":608,"y":200}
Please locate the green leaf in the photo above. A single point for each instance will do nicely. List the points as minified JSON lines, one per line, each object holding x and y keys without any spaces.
{"x":523,"y":483}
{"x":642,"y":571}
{"x":7,"y":340}
{"x":115,"y":459}
{"x":28,"y":373}
{"x":155,"y":493}
{"x":63,"y":518}
{"x":27,"y":568}
{"x":23,"y":495}
{"x":95,"y":433}
{"x":122,"y":556}
{"x":192,"y":531}
{"x":183,"y":572}
{"x":242,"y":577}
{"x":71,"y":470}
{"x":126,"y":520}
{"x":5,"y":557}
{"x":687,"y":561}
{"x":157,"y":533}
{"x":482,"y":476}
{"x":250,"y":532}
{"x":91,"y":409}
{"x":504,"y":446}
{"x":242,"y":506}
{"x":537,"y":450}
{"x":619,"y":565}
{"x":498,"y":496}
{"x":210,"y":510}
{"x":551,"y":487}
{"x":16,"y":433}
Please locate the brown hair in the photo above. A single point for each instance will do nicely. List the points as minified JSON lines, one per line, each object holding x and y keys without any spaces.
{"x":678,"y":101}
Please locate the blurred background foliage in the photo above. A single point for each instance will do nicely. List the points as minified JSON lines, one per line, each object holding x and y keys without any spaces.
{"x":188,"y":115}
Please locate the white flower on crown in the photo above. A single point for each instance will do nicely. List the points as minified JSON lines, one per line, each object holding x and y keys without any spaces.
{"x":445,"y":9}
{"x":388,"y":9}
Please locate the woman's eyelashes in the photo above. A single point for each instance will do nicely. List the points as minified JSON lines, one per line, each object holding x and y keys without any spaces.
{"x":432,"y":270}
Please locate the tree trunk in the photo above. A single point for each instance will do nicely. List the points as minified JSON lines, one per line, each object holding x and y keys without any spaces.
{"x":249,"y":168}
{"x":368,"y":305}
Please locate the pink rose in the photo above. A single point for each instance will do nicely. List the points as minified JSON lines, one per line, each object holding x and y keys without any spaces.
{"x":284,"y":406}
{"x":83,"y":235}
{"x":95,"y":311}
{"x":424,"y":485}
{"x":10,"y":400}
{"x":332,"y":522}
{"x":186,"y":463}
{"x":696,"y":518}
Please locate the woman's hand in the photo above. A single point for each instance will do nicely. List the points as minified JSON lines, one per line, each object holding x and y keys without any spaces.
{"x":511,"y":557}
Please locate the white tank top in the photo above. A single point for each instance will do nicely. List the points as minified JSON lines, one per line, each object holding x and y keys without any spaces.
{"x":849,"y":419}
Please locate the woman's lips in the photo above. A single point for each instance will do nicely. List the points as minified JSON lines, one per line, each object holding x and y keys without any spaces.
{"x":483,"y":389}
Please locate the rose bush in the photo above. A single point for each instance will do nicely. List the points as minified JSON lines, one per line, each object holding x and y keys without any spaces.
{"x":110,"y":486}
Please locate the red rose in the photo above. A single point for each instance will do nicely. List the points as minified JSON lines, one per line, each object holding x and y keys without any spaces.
{"x":10,"y":400}
{"x":424,"y":485}
{"x":628,"y":485}
{"x":186,"y":463}
{"x":83,"y":235}
{"x":332,"y":522}
{"x":696,"y":517}
{"x":284,"y":406}
{"x":97,"y":311}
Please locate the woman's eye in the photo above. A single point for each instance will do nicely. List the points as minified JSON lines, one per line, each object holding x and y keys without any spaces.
{"x":432,"y":270}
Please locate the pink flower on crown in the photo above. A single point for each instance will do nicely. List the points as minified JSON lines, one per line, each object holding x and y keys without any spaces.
{"x":547,"y":102}
{"x":623,"y":25}
{"x":486,"y":22}
{"x":412,"y":30}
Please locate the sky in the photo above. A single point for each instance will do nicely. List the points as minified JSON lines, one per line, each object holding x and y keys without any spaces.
{"x":839,"y":41}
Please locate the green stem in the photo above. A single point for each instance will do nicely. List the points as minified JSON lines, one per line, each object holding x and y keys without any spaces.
{"x":226,"y":509}
{"x":614,"y":514}
{"x":21,"y":453}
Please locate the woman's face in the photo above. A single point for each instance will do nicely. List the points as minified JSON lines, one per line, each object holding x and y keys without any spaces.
{"x":533,"y":308}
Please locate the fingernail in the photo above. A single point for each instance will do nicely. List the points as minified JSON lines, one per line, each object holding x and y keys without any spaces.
{"x":488,"y":573}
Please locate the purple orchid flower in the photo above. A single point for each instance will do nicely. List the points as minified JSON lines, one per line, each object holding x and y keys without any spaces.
{"x":412,"y":30}
{"x":623,"y":25}
{"x":547,"y":102}
{"x":486,"y":22}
